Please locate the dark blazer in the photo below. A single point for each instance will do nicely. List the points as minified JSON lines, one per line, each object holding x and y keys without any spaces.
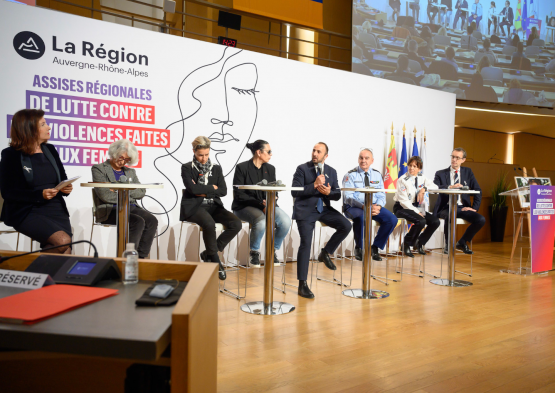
{"x":461,"y":4}
{"x":190,"y":202}
{"x":508,"y":14}
{"x":104,"y":199}
{"x":306,"y":200}
{"x":245,"y":174}
{"x":16,"y":183}
{"x":443,"y":180}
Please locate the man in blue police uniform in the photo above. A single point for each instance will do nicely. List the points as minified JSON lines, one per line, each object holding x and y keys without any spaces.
{"x":313,"y":204}
{"x":353,"y":204}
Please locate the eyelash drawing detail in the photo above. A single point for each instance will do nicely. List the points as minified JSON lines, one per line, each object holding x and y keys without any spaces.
{"x":243,"y":91}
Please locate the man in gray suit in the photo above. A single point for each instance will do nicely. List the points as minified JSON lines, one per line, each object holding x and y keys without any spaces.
{"x":142,"y":224}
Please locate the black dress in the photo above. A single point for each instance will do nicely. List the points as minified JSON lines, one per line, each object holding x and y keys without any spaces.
{"x":47,"y":218}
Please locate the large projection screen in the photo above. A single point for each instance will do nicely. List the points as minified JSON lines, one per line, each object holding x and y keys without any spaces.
{"x":232,"y":95}
{"x":518,"y":68}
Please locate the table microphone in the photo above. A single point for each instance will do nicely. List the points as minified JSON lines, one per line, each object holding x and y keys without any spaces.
{"x":123,"y":179}
{"x":51,"y":248}
{"x":277,"y":183}
{"x":263,"y":182}
{"x":465,"y":188}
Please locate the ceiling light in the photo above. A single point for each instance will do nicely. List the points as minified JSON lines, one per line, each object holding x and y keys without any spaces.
{"x":504,"y":112}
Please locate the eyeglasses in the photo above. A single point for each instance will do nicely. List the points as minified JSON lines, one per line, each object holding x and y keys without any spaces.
{"x":456,"y":158}
{"x":269,"y":151}
{"x":121,"y":158}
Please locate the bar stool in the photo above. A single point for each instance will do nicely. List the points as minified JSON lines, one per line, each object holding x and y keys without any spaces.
{"x":99,"y":224}
{"x":229,"y":267}
{"x":334,"y":280}
{"x":8,"y":231}
{"x":388,"y":253}
{"x":460,"y":221}
{"x":422,"y":264}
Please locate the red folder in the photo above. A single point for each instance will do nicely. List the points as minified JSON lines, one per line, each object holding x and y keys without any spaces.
{"x":38,"y":304}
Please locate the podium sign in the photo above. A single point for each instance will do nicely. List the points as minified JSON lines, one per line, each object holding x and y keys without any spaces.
{"x":543,"y":227}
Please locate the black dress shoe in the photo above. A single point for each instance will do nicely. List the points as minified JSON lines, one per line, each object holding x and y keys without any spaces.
{"x":376,"y":253}
{"x":406,"y":251}
{"x":304,"y":290}
{"x":464,"y":248}
{"x":221,"y":274}
{"x":358,"y":254}
{"x":204,"y":256}
{"x":419,"y":247}
{"x":325,"y":257}
{"x":276,"y":260}
{"x":446,"y":251}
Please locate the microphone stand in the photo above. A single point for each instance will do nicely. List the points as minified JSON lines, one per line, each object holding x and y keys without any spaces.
{"x":51,"y":248}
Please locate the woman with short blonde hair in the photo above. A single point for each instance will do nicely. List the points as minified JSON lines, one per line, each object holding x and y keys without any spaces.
{"x":204,"y":186}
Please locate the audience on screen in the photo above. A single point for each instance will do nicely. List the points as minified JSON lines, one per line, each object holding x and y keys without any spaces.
{"x":442,"y":31}
{"x":478,"y":92}
{"x":519,"y":51}
{"x":450,"y":57}
{"x":515,"y":91}
{"x":367,"y":28}
{"x":533,"y":35}
{"x":413,"y":48}
{"x":483,"y":63}
{"x":402,"y":70}
{"x":487,"y":49}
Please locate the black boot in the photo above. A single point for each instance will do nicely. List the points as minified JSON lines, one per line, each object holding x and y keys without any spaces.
{"x":304,"y":290}
{"x":376,"y":253}
{"x":406,"y":251}
{"x":419,"y":247}
{"x":358,"y":254}
{"x":325,"y":257}
{"x":216,"y":259}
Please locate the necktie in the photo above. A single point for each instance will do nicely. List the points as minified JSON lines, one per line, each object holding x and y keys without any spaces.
{"x":457,"y":178}
{"x":320,"y":203}
{"x":366,"y":180}
{"x":416,"y":185}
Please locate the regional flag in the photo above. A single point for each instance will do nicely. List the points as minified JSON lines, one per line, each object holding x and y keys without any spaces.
{"x":391,"y":170}
{"x":518,"y":19}
{"x":403,"y":165}
{"x":415,"y":147}
{"x":302,"y":12}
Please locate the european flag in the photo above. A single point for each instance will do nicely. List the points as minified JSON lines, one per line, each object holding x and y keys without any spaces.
{"x":415,"y":148}
{"x":403,"y":166}
{"x":525,"y":17}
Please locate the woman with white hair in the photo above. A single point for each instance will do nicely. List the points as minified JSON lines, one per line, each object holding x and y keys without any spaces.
{"x":204,"y":186}
{"x":142,"y":224}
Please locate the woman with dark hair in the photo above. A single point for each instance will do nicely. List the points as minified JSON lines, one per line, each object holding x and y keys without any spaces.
{"x":30,"y":170}
{"x":201,"y":203}
{"x":492,"y":17}
{"x":411,"y":189}
{"x":250,"y":205}
{"x":533,"y":35}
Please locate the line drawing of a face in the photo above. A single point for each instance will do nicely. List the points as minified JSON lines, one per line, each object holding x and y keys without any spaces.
{"x":217,"y":100}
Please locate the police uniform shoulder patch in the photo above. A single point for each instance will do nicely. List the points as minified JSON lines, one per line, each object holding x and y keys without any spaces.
{"x":353,"y":170}
{"x":375,"y":170}
{"x":407,"y":176}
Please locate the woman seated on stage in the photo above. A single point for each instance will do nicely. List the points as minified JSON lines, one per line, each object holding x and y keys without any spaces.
{"x":201,"y":203}
{"x":250,"y":205}
{"x":411,"y":189}
{"x":142,"y":224}
{"x":30,"y":170}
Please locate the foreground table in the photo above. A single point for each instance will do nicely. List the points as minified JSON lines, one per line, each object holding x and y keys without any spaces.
{"x":123,"y":208}
{"x":453,"y":195}
{"x":366,"y":292}
{"x":267,"y":306}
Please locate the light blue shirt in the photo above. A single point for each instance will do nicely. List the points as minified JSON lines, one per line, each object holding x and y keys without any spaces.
{"x":355,"y":179}
{"x":477,"y":9}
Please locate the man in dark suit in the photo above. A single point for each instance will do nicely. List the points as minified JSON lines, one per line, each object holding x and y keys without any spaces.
{"x":312,"y":204}
{"x":456,"y":177}
{"x":460,"y":14}
{"x":508,"y":18}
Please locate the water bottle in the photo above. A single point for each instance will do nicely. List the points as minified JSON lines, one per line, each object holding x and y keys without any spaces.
{"x":130,"y":265}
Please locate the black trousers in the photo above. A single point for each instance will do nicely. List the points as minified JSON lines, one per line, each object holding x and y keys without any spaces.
{"x":476,"y":220}
{"x":502,"y":26}
{"x":142,"y":228}
{"x":331,"y":218}
{"x":206,"y":217}
{"x":431,"y":223}
{"x":494,"y":24}
{"x":432,"y":13}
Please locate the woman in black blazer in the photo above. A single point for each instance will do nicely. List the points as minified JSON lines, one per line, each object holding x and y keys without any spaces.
{"x":204,"y":185}
{"x":250,"y":205}
{"x":29,"y":170}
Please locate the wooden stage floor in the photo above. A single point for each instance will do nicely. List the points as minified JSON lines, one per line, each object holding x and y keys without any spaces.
{"x":495,"y":336}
